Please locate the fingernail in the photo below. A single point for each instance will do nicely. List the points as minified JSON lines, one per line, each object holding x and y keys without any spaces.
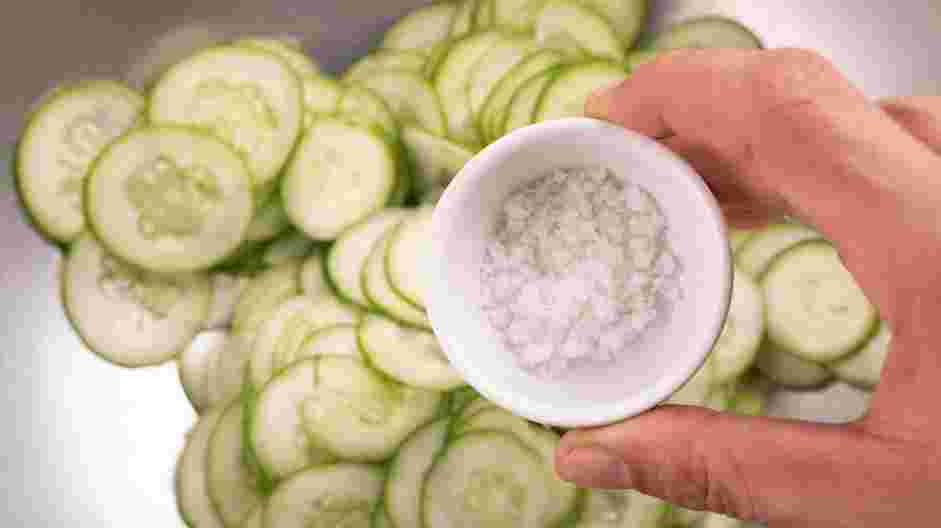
{"x":594,"y":467}
{"x":599,"y":101}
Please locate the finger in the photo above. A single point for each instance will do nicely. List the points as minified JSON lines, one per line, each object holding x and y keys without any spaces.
{"x":752,"y":468}
{"x":920,"y":116}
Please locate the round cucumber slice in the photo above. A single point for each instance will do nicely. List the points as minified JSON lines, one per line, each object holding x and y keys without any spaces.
{"x":410,"y":356}
{"x":339,"y":340}
{"x":265,"y":293}
{"x":626,"y":17}
{"x":347,"y":257}
{"x":363,"y":107}
{"x":522,"y":108}
{"x":169,"y":199}
{"x":226,"y":289}
{"x":791,"y":371}
{"x":195,"y":364}
{"x":314,"y":281}
{"x":342,"y":495}
{"x":744,"y":330}
{"x":381,"y":294}
{"x":411,"y":98}
{"x":707,"y":32}
{"x":570,"y":26}
{"x":290,"y":52}
{"x":464,"y":19}
{"x":759,"y":250}
{"x":491,"y":68}
{"x":422,"y":28}
{"x":495,"y":108}
{"x":256,"y":519}
{"x":517,"y":15}
{"x":408,"y":471}
{"x":129,"y":316}
{"x":864,"y":368}
{"x":248,"y":97}
{"x":232,"y":485}
{"x":383,"y":61}
{"x":568,"y":93}
{"x":437,"y":160}
{"x":321,"y":98}
{"x":407,"y":257}
{"x":62,"y":139}
{"x":192,"y":491}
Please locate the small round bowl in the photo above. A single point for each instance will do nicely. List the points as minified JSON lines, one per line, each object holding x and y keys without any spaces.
{"x":667,"y":355}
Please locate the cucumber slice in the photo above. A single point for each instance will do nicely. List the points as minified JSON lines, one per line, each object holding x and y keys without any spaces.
{"x":452,"y":80}
{"x":486,"y":479}
{"x":288,"y":247}
{"x":568,"y":25}
{"x":763,"y":246}
{"x":460,"y":399}
{"x":289,"y":52}
{"x":381,"y":294}
{"x":638,"y":58}
{"x":437,"y":54}
{"x":739,"y":237}
{"x":280,"y":338}
{"x":464,"y":19}
{"x":517,"y":15}
{"x":338,"y":340}
{"x":347,"y":258}
{"x":195,"y":363}
{"x":358,"y":415}
{"x":249,"y":98}
{"x":269,"y":221}
{"x":408,"y":471}
{"x":474,"y":408}
{"x":437,"y":160}
{"x":226,"y":289}
{"x":492,"y":67}
{"x":340,"y":175}
{"x":697,"y":390}
{"x":128,"y":316}
{"x":605,"y":509}
{"x":232,"y":486}
{"x":192,"y":492}
{"x":278,"y":435}
{"x":342,"y":495}
{"x":62,"y":139}
{"x":864,"y":368}
{"x":361,"y":106}
{"x":626,"y":17}
{"x":485,"y":18}
{"x":422,"y":28}
{"x":412,"y":357}
{"x":791,"y":371}
{"x":406,"y":181}
{"x":380,"y":519}
{"x":741,"y":337}
{"x":169,"y":199}
{"x":815,"y":308}
{"x":265,"y":293}
{"x":563,"y":495}
{"x":256,"y":519}
{"x":714,"y":520}
{"x":314,"y":281}
{"x":522,"y":108}
{"x":227,"y":373}
{"x":567,"y":94}
{"x":384,"y":61}
{"x":321,"y":98}
{"x":494,"y":110}
{"x":408,"y":257}
{"x":411,"y":98}
{"x":707,"y":32}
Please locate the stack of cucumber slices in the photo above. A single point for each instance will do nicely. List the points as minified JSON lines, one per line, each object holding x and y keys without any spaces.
{"x":266,"y":226}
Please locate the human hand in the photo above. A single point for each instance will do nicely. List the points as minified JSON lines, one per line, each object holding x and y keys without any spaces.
{"x":783,"y":131}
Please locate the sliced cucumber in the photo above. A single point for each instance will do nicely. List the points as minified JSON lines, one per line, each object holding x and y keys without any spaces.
{"x":250,"y":98}
{"x":707,"y":32}
{"x":452,"y":79}
{"x":380,"y":519}
{"x":411,"y":98}
{"x":626,"y":17}
{"x":791,"y":371}
{"x":280,"y":337}
{"x":195,"y":364}
{"x":289,"y":52}
{"x":464,"y":19}
{"x":421,"y":29}
{"x":321,"y":97}
{"x":403,"y":490}
{"x":605,"y":509}
{"x":338,"y":340}
{"x":340,"y":175}
{"x":492,"y":67}
{"x":128,"y":316}
{"x":407,"y":259}
{"x":256,"y":519}
{"x":744,"y":330}
{"x":192,"y":492}
{"x":460,"y":399}
{"x":227,"y":373}
{"x":756,"y":254}
{"x":410,"y":356}
{"x":341,"y":495}
{"x":265,"y":293}
{"x":475,"y":407}
{"x":288,"y":247}
{"x":358,"y":415}
{"x":740,"y":237}
{"x":384,"y":61}
{"x":232,"y":486}
{"x":437,"y":160}
{"x":278,"y":435}
{"x":485,"y":18}
{"x":864,"y":368}
{"x":169,"y":199}
{"x":363,"y":107}
{"x":381,"y":294}
{"x":568,"y":25}
{"x":517,"y":15}
{"x":226,"y":289}
{"x":815,"y":308}
{"x":494,"y":110}
{"x":437,"y":54}
{"x":269,"y":221}
{"x":697,"y":390}
{"x":314,"y":281}
{"x":522,"y":108}
{"x":62,"y":139}
{"x":567,"y":94}
{"x":347,"y":258}
{"x":486,"y":479}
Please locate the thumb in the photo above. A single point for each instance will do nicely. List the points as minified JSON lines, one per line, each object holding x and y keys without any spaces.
{"x":761,"y":469}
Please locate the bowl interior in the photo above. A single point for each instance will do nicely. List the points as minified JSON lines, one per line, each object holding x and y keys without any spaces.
{"x":652,"y":368}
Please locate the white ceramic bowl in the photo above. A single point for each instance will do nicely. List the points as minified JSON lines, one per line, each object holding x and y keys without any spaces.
{"x":657,"y":365}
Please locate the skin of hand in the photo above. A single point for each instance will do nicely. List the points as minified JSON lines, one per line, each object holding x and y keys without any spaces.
{"x":783,"y":131}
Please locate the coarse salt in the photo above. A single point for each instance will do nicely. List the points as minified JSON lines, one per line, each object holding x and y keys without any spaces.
{"x":579,"y":268}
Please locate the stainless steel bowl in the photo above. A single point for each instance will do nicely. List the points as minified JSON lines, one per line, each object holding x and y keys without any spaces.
{"x":85,"y":443}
